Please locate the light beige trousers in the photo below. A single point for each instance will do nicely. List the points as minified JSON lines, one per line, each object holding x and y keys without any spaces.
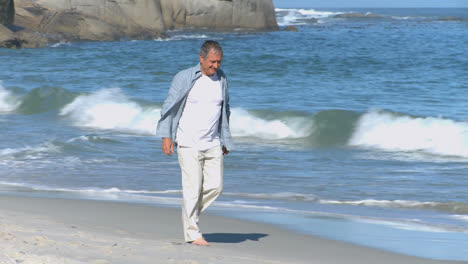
{"x":202,"y":183}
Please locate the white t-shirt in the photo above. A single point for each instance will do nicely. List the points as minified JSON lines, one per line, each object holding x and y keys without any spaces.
{"x":198,"y":125}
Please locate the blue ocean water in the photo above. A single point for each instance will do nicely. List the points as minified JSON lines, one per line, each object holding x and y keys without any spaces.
{"x":353,"y":129}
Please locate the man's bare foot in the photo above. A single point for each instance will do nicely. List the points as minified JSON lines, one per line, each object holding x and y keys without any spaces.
{"x":200,"y":242}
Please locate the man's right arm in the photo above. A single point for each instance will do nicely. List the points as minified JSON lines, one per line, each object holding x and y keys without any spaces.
{"x":165,"y":122}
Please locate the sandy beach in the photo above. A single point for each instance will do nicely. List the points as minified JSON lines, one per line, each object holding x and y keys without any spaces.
{"x":51,"y":230}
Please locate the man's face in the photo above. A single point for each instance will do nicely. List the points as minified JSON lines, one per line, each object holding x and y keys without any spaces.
{"x":211,"y":64}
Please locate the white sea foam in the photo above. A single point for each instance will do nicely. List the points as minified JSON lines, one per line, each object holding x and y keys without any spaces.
{"x":288,"y":196}
{"x":244,"y":124}
{"x":383,"y":203}
{"x":114,"y":190}
{"x":454,"y":207}
{"x":387,"y":131}
{"x":111,"y":109}
{"x":178,"y":37}
{"x":86,"y":138}
{"x":401,"y":18}
{"x":31,"y":152}
{"x":8,"y":101}
{"x":309,"y":12}
{"x":59,"y":44}
{"x":460,"y":217}
{"x":174,"y":198}
{"x":92,"y":138}
{"x":298,"y":16}
{"x":414,"y":225}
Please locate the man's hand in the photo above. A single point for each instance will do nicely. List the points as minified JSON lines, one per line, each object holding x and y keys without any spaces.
{"x":167,"y":146}
{"x":225,"y":151}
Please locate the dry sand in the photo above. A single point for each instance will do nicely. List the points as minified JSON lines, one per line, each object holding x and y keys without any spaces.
{"x":50,"y":230}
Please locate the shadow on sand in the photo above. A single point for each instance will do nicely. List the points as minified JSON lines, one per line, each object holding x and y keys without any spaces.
{"x":233,"y":237}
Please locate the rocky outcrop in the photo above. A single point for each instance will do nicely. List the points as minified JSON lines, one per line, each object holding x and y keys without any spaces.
{"x":291,"y":28}
{"x":75,"y":20}
{"x":21,"y":39}
{"x":12,"y":36}
{"x":219,"y":14}
{"x":97,"y":20}
{"x":7,"y":12}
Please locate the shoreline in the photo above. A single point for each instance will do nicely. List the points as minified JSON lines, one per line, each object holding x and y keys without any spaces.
{"x":58,"y":230}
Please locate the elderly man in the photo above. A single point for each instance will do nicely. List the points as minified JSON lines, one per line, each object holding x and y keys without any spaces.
{"x":195,"y":118}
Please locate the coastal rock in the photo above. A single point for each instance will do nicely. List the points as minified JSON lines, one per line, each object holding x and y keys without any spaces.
{"x":22,"y":39}
{"x":291,"y":28}
{"x":8,"y":38}
{"x":91,"y":19}
{"x":104,"y":20}
{"x":7,"y":12}
{"x":5,"y":34}
{"x":219,"y":14}
{"x":357,"y":15}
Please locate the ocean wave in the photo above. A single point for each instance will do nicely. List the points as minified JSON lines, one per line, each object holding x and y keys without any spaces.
{"x":30,"y":152}
{"x":413,"y":225}
{"x":46,"y":152}
{"x":178,"y":36}
{"x":301,"y":16}
{"x":459,"y":208}
{"x":92,"y":138}
{"x":174,"y":197}
{"x":394,"y":132}
{"x":292,"y":16}
{"x":110,"y":109}
{"x":45,"y":99}
{"x":112,"y":193}
{"x":38,"y":100}
{"x":285,"y":196}
{"x":460,"y":217}
{"x":60,"y":44}
{"x":452,"y":207}
{"x":8,"y":101}
{"x":248,"y":124}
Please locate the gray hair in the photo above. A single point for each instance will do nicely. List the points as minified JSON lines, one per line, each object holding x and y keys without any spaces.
{"x":210,"y":45}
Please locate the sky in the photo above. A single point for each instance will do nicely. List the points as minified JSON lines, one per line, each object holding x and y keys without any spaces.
{"x":369,"y":3}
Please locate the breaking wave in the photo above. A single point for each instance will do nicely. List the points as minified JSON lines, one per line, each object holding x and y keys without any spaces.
{"x":402,"y":133}
{"x":451,"y":207}
{"x":302,"y":16}
{"x":32,"y":152}
{"x":110,"y":109}
{"x":8,"y":101}
{"x":180,"y":36}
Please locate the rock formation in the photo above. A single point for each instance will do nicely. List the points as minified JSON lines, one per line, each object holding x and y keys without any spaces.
{"x":7,"y":12}
{"x":96,"y":20}
{"x":219,"y":14}
{"x":291,"y":28}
